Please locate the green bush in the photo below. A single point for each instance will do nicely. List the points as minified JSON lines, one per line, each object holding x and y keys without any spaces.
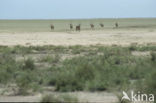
{"x":51,"y":59}
{"x":151,"y":83}
{"x":50,"y":98}
{"x":132,"y":48}
{"x":8,"y":67}
{"x":98,"y":84}
{"x":153,"y":56}
{"x":148,"y":84}
{"x":23,"y":82}
{"x":26,"y":81}
{"x":67,"y":82}
{"x":29,"y":64}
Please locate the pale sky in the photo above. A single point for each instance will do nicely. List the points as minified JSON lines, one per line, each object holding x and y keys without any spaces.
{"x":72,"y":9}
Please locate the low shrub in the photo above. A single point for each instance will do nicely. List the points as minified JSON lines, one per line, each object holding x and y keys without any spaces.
{"x":50,"y":98}
{"x":23,"y":82}
{"x":153,"y":56}
{"x":151,"y":83}
{"x":26,"y":82}
{"x":51,"y":59}
{"x":132,"y":48}
{"x":29,"y":64}
{"x":8,"y":67}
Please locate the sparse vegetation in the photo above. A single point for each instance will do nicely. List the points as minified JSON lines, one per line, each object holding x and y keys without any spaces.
{"x":29,"y":64}
{"x":94,"y":68}
{"x":59,"y":99}
{"x":23,"y":82}
{"x":153,"y":56}
{"x":51,"y":59}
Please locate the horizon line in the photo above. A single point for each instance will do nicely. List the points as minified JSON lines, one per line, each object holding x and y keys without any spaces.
{"x":87,"y":18}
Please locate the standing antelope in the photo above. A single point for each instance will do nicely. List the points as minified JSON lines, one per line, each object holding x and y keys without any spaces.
{"x":78,"y":27}
{"x":102,"y":25}
{"x":71,"y":26}
{"x":92,"y":26}
{"x":116,"y":25}
{"x":52,"y":27}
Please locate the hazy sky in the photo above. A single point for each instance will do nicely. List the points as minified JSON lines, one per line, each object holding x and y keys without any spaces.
{"x":66,"y":9}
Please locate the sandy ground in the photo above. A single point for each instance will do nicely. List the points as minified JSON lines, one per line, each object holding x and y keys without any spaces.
{"x":106,"y":37}
{"x":96,"y":97}
{"x":20,"y":98}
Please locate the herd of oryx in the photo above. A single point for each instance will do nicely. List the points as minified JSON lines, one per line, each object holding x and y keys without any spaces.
{"x":78,"y":27}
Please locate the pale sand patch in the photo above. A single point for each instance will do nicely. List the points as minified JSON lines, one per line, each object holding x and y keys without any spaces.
{"x":88,"y":97}
{"x":36,"y":98}
{"x":108,"y":37}
{"x":140,"y":53}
